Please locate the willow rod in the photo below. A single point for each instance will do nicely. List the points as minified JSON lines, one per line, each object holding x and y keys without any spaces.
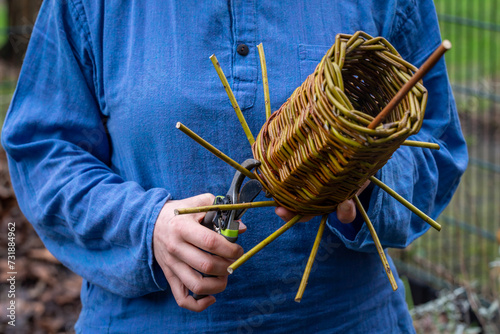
{"x":422,"y":144}
{"x":310,"y":261}
{"x":245,"y":257}
{"x":376,"y":240}
{"x":265,"y":83}
{"x":214,"y":150}
{"x":403,"y":201}
{"x":230,"y":94}
{"x":422,"y":71}
{"x":225,"y":207}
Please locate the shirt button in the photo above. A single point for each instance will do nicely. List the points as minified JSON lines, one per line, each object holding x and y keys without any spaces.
{"x":242,"y":49}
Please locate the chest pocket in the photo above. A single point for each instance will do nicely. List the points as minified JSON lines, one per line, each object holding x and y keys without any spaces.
{"x":310,"y":56}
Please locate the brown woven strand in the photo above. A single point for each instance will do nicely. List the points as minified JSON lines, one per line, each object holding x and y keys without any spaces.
{"x":316,"y":149}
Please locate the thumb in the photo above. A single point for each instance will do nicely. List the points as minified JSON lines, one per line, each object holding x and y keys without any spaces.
{"x":201,"y":200}
{"x":195,"y":201}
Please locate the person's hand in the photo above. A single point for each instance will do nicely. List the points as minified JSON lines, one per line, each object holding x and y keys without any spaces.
{"x":346,"y":211}
{"x":178,"y":242}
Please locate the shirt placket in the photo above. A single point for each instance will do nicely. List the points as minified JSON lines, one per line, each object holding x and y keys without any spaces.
{"x":245,"y":54}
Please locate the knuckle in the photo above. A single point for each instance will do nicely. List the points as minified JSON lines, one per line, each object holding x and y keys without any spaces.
{"x":236,"y":252}
{"x":169,"y":275}
{"x":209,"y":240}
{"x":222,"y":285}
{"x":176,"y":227}
{"x":181,"y":302}
{"x":171,"y":248}
{"x":206,"y":267}
{"x":197,"y":288}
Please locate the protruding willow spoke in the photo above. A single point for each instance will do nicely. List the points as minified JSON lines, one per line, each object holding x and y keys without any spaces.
{"x":265,"y":83}
{"x":245,"y":257}
{"x":403,"y":201}
{"x":214,"y":150}
{"x":225,"y":207}
{"x":421,"y":144}
{"x":422,"y":71}
{"x":310,"y":261}
{"x":230,"y":94}
{"x":380,"y":250}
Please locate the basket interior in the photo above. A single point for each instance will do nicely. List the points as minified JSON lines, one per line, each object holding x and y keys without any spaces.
{"x":367,"y":81}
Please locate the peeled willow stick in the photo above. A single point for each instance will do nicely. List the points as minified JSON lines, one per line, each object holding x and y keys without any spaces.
{"x":403,"y":201}
{"x":376,"y":240}
{"x":265,"y":83}
{"x":225,"y":207}
{"x":422,"y":71}
{"x":245,"y":257}
{"x":421,"y":144}
{"x":230,"y":94}
{"x":214,"y":150}
{"x":310,"y":261}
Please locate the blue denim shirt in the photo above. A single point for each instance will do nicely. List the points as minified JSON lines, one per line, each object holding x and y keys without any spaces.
{"x":93,"y":191}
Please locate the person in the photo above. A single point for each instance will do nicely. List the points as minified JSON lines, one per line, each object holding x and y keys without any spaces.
{"x":98,"y":166}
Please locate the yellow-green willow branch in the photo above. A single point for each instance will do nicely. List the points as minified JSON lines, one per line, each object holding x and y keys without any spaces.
{"x":230,"y":94}
{"x":310,"y":261}
{"x":376,"y":240}
{"x":214,"y":150}
{"x":245,"y":257}
{"x":403,"y":201}
{"x":225,"y":207}
{"x":265,"y":83}
{"x":421,"y":144}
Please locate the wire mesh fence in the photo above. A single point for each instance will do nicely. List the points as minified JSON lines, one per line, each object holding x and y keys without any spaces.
{"x":466,"y":252}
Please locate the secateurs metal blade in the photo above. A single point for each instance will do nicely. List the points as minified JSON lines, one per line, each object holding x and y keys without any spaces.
{"x":227,"y":222}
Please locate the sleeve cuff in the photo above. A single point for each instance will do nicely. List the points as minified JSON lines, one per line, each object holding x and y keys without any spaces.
{"x":354,"y":235}
{"x":154,"y":267}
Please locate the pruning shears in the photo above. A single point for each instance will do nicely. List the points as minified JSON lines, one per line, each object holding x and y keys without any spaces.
{"x":227,"y":222}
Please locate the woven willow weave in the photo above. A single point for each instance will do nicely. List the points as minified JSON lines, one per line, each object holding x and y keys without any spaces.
{"x":317,"y":150}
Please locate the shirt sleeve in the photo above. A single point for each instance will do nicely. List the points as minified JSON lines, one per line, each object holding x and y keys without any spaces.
{"x":426,"y":178}
{"x":93,"y":221}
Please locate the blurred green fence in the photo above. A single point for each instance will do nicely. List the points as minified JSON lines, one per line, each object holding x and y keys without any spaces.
{"x":466,"y":252}
{"x":16,"y":22}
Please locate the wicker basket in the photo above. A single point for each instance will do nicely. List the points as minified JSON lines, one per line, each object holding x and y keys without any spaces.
{"x":317,"y":150}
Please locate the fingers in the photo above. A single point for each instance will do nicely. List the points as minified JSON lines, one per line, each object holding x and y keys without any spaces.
{"x":179,"y":244}
{"x":287,"y":215}
{"x":181,"y":294}
{"x":346,"y":211}
{"x":210,"y":241}
{"x":200,"y":260}
{"x":195,"y":282}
